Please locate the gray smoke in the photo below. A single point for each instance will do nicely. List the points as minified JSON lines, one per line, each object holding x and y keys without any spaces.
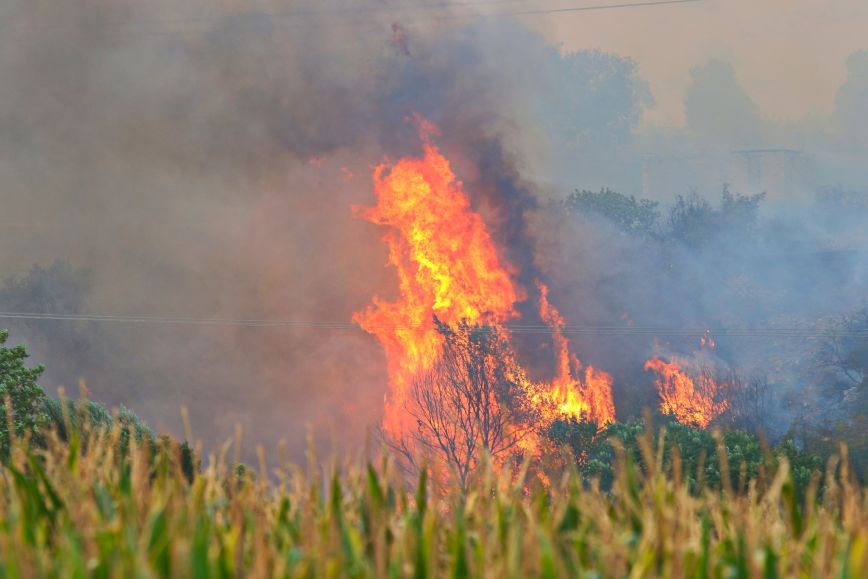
{"x":203,"y":162}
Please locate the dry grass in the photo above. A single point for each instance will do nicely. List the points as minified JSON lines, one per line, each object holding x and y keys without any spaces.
{"x":80,"y":508}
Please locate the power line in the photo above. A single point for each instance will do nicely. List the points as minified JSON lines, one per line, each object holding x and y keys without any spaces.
{"x":514,"y":12}
{"x":430,"y":9}
{"x":648,"y":331}
{"x":541,"y":11}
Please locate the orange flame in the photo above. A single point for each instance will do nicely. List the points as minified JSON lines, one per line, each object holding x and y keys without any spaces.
{"x":448,"y":267}
{"x":691,"y":399}
{"x":590,"y":399}
{"x":707,"y":341}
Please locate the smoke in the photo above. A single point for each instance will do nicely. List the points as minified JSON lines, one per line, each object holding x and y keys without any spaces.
{"x":718,"y":108}
{"x":202,"y":162}
{"x":850,"y":106}
{"x":799,"y":261}
{"x":176,"y":169}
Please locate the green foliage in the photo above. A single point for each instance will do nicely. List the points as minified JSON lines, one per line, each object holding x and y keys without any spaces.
{"x":634,"y":216}
{"x":36,"y":415}
{"x":20,"y":393}
{"x":697,"y":450}
{"x":591,"y":447}
{"x":803,"y":465}
{"x":132,"y":426}
{"x":77,"y":414}
{"x":694,"y":222}
{"x":93,"y":416}
{"x":189,"y":462}
{"x":87,"y":511}
{"x":739,"y":211}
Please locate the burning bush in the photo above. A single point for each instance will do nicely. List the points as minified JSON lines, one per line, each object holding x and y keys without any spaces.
{"x":471,"y":403}
{"x":456,"y":384}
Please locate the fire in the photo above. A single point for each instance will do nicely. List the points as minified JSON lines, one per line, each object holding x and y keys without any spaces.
{"x":707,"y":341}
{"x":448,"y":267}
{"x":590,"y":398}
{"x":690,"y":394}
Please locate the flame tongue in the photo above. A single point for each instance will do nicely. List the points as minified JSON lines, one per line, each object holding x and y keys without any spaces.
{"x":589,"y":399}
{"x":448,"y":267}
{"x":687,"y":393}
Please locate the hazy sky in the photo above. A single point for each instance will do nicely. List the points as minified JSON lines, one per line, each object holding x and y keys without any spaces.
{"x":790,"y":55}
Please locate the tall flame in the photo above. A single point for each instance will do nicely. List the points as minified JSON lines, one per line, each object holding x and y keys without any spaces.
{"x":689,"y":394}
{"x":590,"y":398}
{"x":448,"y":266}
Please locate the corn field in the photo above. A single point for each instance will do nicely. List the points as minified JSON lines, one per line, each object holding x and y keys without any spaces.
{"x":102,"y":505}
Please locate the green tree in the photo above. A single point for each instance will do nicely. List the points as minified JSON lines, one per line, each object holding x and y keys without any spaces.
{"x":84,"y":415}
{"x":633,"y":216}
{"x":19,"y":393}
{"x":694,"y":222}
{"x":699,"y":460}
{"x":591,"y":447}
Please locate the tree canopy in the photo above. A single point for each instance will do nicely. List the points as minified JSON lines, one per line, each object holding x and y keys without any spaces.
{"x":20,"y":395}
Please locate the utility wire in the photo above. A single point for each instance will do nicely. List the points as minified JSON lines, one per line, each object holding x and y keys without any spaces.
{"x":429,"y":8}
{"x":512,"y":12}
{"x":540,"y":11}
{"x":650,"y":331}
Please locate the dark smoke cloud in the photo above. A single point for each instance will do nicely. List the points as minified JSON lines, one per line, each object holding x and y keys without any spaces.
{"x":203,"y":162}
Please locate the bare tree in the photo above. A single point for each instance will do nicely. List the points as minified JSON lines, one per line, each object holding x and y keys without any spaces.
{"x":750,"y":400}
{"x":844,"y":353}
{"x":472,"y":402}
